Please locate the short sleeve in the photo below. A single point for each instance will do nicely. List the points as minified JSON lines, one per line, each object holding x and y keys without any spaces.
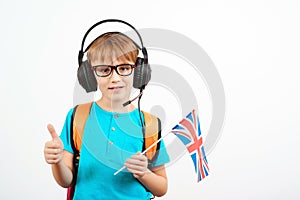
{"x":65,"y":135}
{"x":162,"y":156}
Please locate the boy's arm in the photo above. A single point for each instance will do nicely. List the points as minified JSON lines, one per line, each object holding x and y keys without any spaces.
{"x":154,"y":180}
{"x":63,"y":170}
{"x":61,"y":160}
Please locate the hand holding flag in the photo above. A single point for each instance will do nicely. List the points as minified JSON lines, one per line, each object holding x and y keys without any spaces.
{"x":189,"y":133}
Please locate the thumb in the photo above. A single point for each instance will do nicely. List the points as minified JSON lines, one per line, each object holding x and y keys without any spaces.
{"x":52,"y":132}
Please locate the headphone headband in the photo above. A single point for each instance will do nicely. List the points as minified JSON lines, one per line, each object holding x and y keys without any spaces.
{"x":81,"y":52}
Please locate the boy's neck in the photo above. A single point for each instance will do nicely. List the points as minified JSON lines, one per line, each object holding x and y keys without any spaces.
{"x":115,"y":106}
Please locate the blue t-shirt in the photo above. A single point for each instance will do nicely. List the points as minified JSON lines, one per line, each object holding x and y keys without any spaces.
{"x":109,"y":139}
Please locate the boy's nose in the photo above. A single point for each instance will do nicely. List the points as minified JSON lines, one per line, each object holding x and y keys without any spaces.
{"x":114,"y":76}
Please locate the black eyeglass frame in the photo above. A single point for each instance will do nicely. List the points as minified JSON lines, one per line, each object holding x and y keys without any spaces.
{"x":113,"y":67}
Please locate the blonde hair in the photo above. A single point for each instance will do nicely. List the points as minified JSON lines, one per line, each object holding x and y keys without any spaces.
{"x":111,"y":47}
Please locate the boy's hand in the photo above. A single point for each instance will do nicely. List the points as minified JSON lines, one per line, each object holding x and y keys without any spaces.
{"x":53,"y":150}
{"x":137,"y":164}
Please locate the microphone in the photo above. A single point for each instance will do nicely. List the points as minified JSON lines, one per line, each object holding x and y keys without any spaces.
{"x":129,"y":102}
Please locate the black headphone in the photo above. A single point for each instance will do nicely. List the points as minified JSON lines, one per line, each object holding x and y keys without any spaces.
{"x":142,"y":71}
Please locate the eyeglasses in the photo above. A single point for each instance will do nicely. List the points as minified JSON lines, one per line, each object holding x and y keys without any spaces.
{"x":106,"y":70}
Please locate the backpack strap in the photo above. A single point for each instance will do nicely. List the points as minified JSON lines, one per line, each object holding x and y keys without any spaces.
{"x":152,"y":133}
{"x":80,"y":117}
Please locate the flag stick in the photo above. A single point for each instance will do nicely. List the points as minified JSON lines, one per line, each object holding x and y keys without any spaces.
{"x":121,"y":169}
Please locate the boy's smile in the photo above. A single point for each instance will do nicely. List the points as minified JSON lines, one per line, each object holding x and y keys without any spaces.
{"x":115,"y":87}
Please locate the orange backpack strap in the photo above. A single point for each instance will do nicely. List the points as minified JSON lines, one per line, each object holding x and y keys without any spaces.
{"x":152,"y":133}
{"x":80,"y":116}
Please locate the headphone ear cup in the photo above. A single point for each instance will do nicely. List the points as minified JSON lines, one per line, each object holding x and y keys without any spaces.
{"x":142,"y":74}
{"x":86,"y":77}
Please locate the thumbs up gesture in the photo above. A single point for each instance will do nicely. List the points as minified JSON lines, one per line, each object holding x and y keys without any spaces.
{"x":53,"y":150}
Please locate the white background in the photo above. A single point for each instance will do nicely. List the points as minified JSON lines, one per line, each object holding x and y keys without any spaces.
{"x":254,"y":44}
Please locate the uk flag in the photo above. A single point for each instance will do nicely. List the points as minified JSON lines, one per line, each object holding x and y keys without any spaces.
{"x":189,"y":133}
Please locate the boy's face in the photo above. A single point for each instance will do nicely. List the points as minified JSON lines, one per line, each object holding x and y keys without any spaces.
{"x":115,"y":88}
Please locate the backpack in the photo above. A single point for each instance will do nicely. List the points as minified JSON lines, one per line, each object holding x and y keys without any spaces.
{"x":152,"y":133}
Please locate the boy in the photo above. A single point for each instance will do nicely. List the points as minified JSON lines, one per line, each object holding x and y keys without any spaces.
{"x":112,"y":134}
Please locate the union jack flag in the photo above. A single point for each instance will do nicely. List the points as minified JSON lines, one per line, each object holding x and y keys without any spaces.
{"x":189,"y":133}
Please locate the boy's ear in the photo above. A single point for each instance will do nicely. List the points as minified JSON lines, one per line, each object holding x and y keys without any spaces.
{"x":86,"y":77}
{"x":142,"y":74}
